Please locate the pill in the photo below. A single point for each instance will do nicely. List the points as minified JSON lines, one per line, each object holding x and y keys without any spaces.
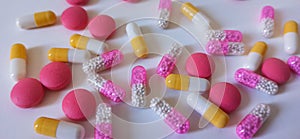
{"x":172,"y":117}
{"x":255,"y":56}
{"x":276,"y":70}
{"x":168,"y":61}
{"x":225,"y":35}
{"x":74,"y":18}
{"x":267,"y":22}
{"x":138,"y":86}
{"x":26,"y":93}
{"x":102,"y":26}
{"x":86,"y":43}
{"x":294,"y":64}
{"x":208,"y":110}
{"x":256,"y":81}
{"x":200,"y":65}
{"x":291,"y":37}
{"x":253,"y":121}
{"x":103,"y":62}
{"x":56,"y":76}
{"x":187,"y":83}
{"x":137,"y":40}
{"x":107,"y":88}
{"x":37,"y":20}
{"x":79,"y":104}
{"x":18,"y":58}
{"x":78,"y":2}
{"x":225,"y":48}
{"x":68,"y":55}
{"x":194,"y":14}
{"x":226,"y":96}
{"x":103,"y":126}
{"x":58,"y":129}
{"x":164,"y":9}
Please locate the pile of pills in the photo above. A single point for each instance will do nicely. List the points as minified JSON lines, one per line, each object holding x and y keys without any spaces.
{"x":80,"y":104}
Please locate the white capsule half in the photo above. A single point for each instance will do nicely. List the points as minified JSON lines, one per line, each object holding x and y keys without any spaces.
{"x":18,"y":62}
{"x":133,"y":30}
{"x":255,"y":57}
{"x":291,"y":37}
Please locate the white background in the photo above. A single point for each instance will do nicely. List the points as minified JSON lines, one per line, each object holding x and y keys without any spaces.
{"x":143,"y":123}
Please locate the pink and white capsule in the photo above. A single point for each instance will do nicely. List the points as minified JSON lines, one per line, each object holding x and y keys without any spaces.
{"x":225,"y":35}
{"x":247,"y":128}
{"x":253,"y":80}
{"x":294,"y":64}
{"x":164,"y":9}
{"x":106,"y":87}
{"x":168,"y":61}
{"x":173,"y":118}
{"x":267,"y":22}
{"x":103,"y":127}
{"x":103,"y":62}
{"x":138,"y":86}
{"x":225,"y":48}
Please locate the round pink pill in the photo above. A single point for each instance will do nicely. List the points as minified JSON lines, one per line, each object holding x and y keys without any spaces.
{"x":78,"y":2}
{"x":226,"y":96}
{"x":102,"y":26}
{"x":56,"y":75}
{"x":276,"y":70}
{"x":200,"y":65}
{"x":74,"y":18}
{"x":27,"y":93}
{"x":79,"y":104}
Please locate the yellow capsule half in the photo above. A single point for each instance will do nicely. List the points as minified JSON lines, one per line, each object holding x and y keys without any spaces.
{"x":44,"y":18}
{"x":139,"y":46}
{"x":58,"y":54}
{"x":18,"y":51}
{"x":46,"y":126}
{"x":178,"y":82}
{"x":79,"y":41}
{"x":291,"y":26}
{"x":216,"y":116}
{"x":260,"y":48}
{"x":189,"y":10}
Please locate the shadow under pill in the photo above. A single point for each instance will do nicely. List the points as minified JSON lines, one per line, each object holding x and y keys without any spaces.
{"x":92,"y":2}
{"x":50,"y":98}
{"x":35,"y":60}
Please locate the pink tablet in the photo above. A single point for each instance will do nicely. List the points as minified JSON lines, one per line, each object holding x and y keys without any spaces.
{"x":276,"y":70}
{"x":78,"y":2}
{"x":74,"y":18}
{"x":102,"y":26}
{"x":200,"y":65}
{"x":27,"y":93}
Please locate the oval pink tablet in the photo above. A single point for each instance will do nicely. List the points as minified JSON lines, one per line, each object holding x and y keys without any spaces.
{"x":200,"y":65}
{"x":74,"y":18}
{"x":27,"y":93}
{"x":276,"y":70}
{"x":226,"y":96}
{"x":78,"y":2}
{"x":56,"y":75}
{"x":102,"y":26}
{"x":79,"y":104}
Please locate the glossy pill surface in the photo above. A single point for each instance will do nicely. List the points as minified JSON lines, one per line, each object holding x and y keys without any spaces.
{"x":18,"y":58}
{"x":36,"y":20}
{"x":200,"y":65}
{"x":102,"y":26}
{"x":74,"y":18}
{"x":276,"y":70}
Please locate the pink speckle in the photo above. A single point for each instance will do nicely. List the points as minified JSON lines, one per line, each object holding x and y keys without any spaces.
{"x":217,"y":47}
{"x":139,"y":75}
{"x":166,"y":66}
{"x":294,"y":64}
{"x":246,"y":77}
{"x":267,"y":12}
{"x":112,"y":91}
{"x":177,"y":122}
{"x":112,"y":58}
{"x":165,"y":4}
{"x":233,"y":36}
{"x":103,"y":131}
{"x":248,"y":126}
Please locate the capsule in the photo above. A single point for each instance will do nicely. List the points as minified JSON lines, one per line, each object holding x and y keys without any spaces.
{"x":18,"y":59}
{"x":106,"y":87}
{"x":168,"y":61}
{"x":164,"y":9}
{"x":138,"y":86}
{"x":58,"y":129}
{"x":187,"y":83}
{"x":267,"y":22}
{"x":225,"y":48}
{"x":208,"y":110}
{"x":86,"y":43}
{"x":294,"y":64}
{"x":103,"y":127}
{"x":255,"y":56}
{"x":137,"y":40}
{"x":247,"y":128}
{"x":291,"y":37}
{"x":36,"y":20}
{"x":68,"y":55}
{"x":172,"y":118}
{"x":225,"y":35}
{"x":103,"y":62}
{"x":253,"y":80}
{"x":194,"y":14}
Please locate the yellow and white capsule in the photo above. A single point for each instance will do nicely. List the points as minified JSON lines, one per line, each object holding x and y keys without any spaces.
{"x":137,"y":40}
{"x":58,"y":129}
{"x":187,"y":83}
{"x":68,"y":55}
{"x":36,"y":20}
{"x":255,"y":57}
{"x":291,"y":37}
{"x":86,"y":43}
{"x":18,"y":59}
{"x":194,"y":14}
{"x":208,"y":110}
